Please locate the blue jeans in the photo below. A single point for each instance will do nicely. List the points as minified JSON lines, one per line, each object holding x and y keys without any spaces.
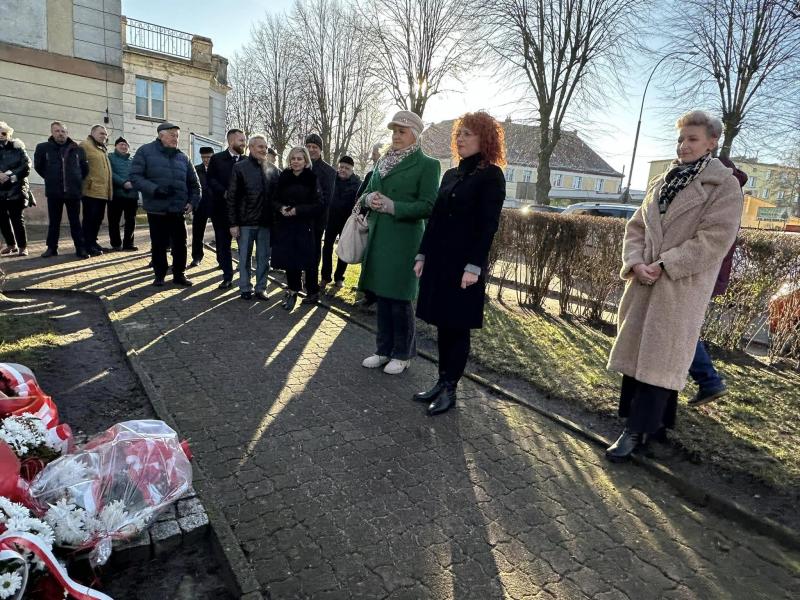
{"x":702,"y":370}
{"x":247,"y":236}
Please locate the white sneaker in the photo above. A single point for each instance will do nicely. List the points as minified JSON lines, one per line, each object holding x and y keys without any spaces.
{"x":375,"y":361}
{"x":395,"y":366}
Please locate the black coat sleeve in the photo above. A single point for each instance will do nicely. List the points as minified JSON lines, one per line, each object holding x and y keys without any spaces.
{"x":83,"y":162}
{"x":315,"y":207}
{"x":214,"y":177}
{"x":40,"y":160}
{"x":235,"y":189}
{"x":487,"y":219}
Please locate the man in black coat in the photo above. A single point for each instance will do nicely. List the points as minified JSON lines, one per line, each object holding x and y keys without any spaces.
{"x":250,"y":213}
{"x":63,"y":166}
{"x":342,"y":202}
{"x":326,"y":179}
{"x":203,"y":213}
{"x":218,"y":177}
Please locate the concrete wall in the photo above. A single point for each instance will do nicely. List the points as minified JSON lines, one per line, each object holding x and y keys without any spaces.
{"x":96,"y":30}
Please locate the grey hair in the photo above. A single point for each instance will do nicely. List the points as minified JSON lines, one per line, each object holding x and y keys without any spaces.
{"x":302,"y":150}
{"x":98,"y":126}
{"x":701,"y":118}
{"x":257,"y":136}
{"x":59,"y":123}
{"x":7,"y":128}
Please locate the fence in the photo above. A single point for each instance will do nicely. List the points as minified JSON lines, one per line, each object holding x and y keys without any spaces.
{"x":157,"y":38}
{"x":577,"y":259}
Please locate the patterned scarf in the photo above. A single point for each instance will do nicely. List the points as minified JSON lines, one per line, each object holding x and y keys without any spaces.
{"x":679,"y":176}
{"x":392,"y":158}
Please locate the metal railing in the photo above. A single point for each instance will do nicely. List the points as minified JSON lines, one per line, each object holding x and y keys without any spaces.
{"x":155,"y":38}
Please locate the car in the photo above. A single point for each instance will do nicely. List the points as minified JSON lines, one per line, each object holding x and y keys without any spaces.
{"x":542,"y":208}
{"x":602,"y":209}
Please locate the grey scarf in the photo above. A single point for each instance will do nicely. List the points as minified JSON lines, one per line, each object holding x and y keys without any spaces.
{"x":678,"y":177}
{"x":392,"y":158}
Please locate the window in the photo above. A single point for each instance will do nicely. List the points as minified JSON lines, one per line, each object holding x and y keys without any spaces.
{"x":526,"y":176}
{"x":751,"y":182}
{"x":600,"y":185}
{"x":557,"y":180}
{"x":510,"y":175}
{"x":781,"y":195}
{"x":150,"y":98}
{"x":765,"y":193}
{"x":577,"y":182}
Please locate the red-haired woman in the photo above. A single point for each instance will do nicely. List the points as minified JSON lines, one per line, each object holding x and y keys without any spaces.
{"x":452,"y":258}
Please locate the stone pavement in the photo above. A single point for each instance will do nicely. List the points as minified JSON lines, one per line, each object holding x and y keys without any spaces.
{"x":337,"y":485}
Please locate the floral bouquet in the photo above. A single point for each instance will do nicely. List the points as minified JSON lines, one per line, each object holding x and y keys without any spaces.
{"x":33,"y":443}
{"x":27,"y":564}
{"x":113,"y":487}
{"x":20,"y":393}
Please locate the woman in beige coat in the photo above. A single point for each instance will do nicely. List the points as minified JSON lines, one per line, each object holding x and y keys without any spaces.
{"x":674,"y":245}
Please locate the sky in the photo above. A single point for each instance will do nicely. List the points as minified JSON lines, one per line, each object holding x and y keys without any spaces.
{"x":609,"y":132}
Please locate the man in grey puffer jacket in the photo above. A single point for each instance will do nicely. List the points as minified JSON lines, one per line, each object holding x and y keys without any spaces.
{"x":170,"y":189}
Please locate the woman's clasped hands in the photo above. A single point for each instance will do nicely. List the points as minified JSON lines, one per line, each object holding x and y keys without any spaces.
{"x":647,"y":274}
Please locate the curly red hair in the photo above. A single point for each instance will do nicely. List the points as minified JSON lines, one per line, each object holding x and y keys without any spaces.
{"x":493,"y":145}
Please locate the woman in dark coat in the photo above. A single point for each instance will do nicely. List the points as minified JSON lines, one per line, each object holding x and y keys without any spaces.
{"x":15,"y":165}
{"x":297,"y":202}
{"x":453,"y":255}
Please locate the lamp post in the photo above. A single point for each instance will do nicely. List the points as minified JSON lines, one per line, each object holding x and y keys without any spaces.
{"x":627,"y":194}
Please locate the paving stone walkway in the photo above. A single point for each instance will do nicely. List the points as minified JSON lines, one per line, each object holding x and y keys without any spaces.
{"x":338,"y":486}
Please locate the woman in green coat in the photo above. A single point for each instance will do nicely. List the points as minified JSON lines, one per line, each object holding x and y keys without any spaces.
{"x":400,"y":194}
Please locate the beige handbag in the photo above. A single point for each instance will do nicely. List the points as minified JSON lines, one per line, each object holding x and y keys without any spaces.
{"x":353,"y":239}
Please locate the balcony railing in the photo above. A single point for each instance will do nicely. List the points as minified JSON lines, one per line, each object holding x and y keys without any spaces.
{"x":156,"y":38}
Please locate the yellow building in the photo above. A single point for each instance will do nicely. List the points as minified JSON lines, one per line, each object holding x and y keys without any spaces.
{"x":760,"y":214}
{"x":577,"y":173}
{"x":773,"y":183}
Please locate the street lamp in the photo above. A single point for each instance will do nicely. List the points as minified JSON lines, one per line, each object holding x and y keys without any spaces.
{"x":627,"y":195}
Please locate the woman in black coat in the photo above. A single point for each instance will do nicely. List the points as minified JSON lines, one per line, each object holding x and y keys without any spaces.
{"x":453,"y":255}
{"x":15,"y":165}
{"x":298,"y":203}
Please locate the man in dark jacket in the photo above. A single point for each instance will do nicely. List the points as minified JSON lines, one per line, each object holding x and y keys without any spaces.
{"x":342,"y":202}
{"x":203,"y":213}
{"x":219,"y":177}
{"x":326,"y":178}
{"x":15,"y":165}
{"x":249,"y":202}
{"x":63,"y":166}
{"x":125,"y":200}
{"x":710,"y":384}
{"x":170,"y":189}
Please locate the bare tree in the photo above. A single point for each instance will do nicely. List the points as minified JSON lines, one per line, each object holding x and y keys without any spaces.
{"x":569,"y":53}
{"x":370,"y":131}
{"x":241,"y":110}
{"x":279,"y":100}
{"x":419,"y":44}
{"x":334,"y":70}
{"x":746,"y":62}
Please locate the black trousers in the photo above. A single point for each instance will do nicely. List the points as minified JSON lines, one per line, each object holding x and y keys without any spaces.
{"x":294,"y":279}
{"x":167,"y":231}
{"x":12,"y":223}
{"x":199,"y":221}
{"x":55,"y":209}
{"x":94,"y":210}
{"x":453,"y":353}
{"x":396,"y":336}
{"x":222,"y":241}
{"x":646,"y":407}
{"x":336,"y":221}
{"x":118,"y":208}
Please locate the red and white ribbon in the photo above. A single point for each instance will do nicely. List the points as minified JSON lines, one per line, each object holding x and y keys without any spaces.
{"x":11,"y":539}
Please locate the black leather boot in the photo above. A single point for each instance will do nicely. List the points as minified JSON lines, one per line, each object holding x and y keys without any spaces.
{"x":625,"y":445}
{"x":432,"y":394}
{"x":445,"y":401}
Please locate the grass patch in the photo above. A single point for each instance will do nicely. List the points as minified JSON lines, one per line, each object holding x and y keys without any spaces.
{"x":25,"y":339}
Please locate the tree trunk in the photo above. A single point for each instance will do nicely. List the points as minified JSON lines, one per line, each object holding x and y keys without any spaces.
{"x":547,"y":143}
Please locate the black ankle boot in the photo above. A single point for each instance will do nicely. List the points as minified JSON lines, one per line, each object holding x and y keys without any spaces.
{"x":432,"y":394}
{"x":625,"y":445}
{"x":445,"y":401}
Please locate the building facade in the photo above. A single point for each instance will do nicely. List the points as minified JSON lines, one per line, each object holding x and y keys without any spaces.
{"x":577,"y":173}
{"x":82,"y":63}
{"x":777,"y":185}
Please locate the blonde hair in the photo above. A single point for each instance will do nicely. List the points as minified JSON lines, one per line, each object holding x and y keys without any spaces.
{"x":302,"y":150}
{"x":7,"y":128}
{"x":701,"y":118}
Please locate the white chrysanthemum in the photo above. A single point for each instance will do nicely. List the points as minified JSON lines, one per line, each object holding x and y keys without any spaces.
{"x":18,"y":524}
{"x":9,"y":509}
{"x":68,"y":523}
{"x":23,"y":433}
{"x":43,"y":530}
{"x":9,"y":584}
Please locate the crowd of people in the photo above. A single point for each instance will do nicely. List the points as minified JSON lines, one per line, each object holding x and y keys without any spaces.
{"x":428,"y":239}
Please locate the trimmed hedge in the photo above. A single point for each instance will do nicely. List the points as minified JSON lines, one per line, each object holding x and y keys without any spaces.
{"x":578,"y":258}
